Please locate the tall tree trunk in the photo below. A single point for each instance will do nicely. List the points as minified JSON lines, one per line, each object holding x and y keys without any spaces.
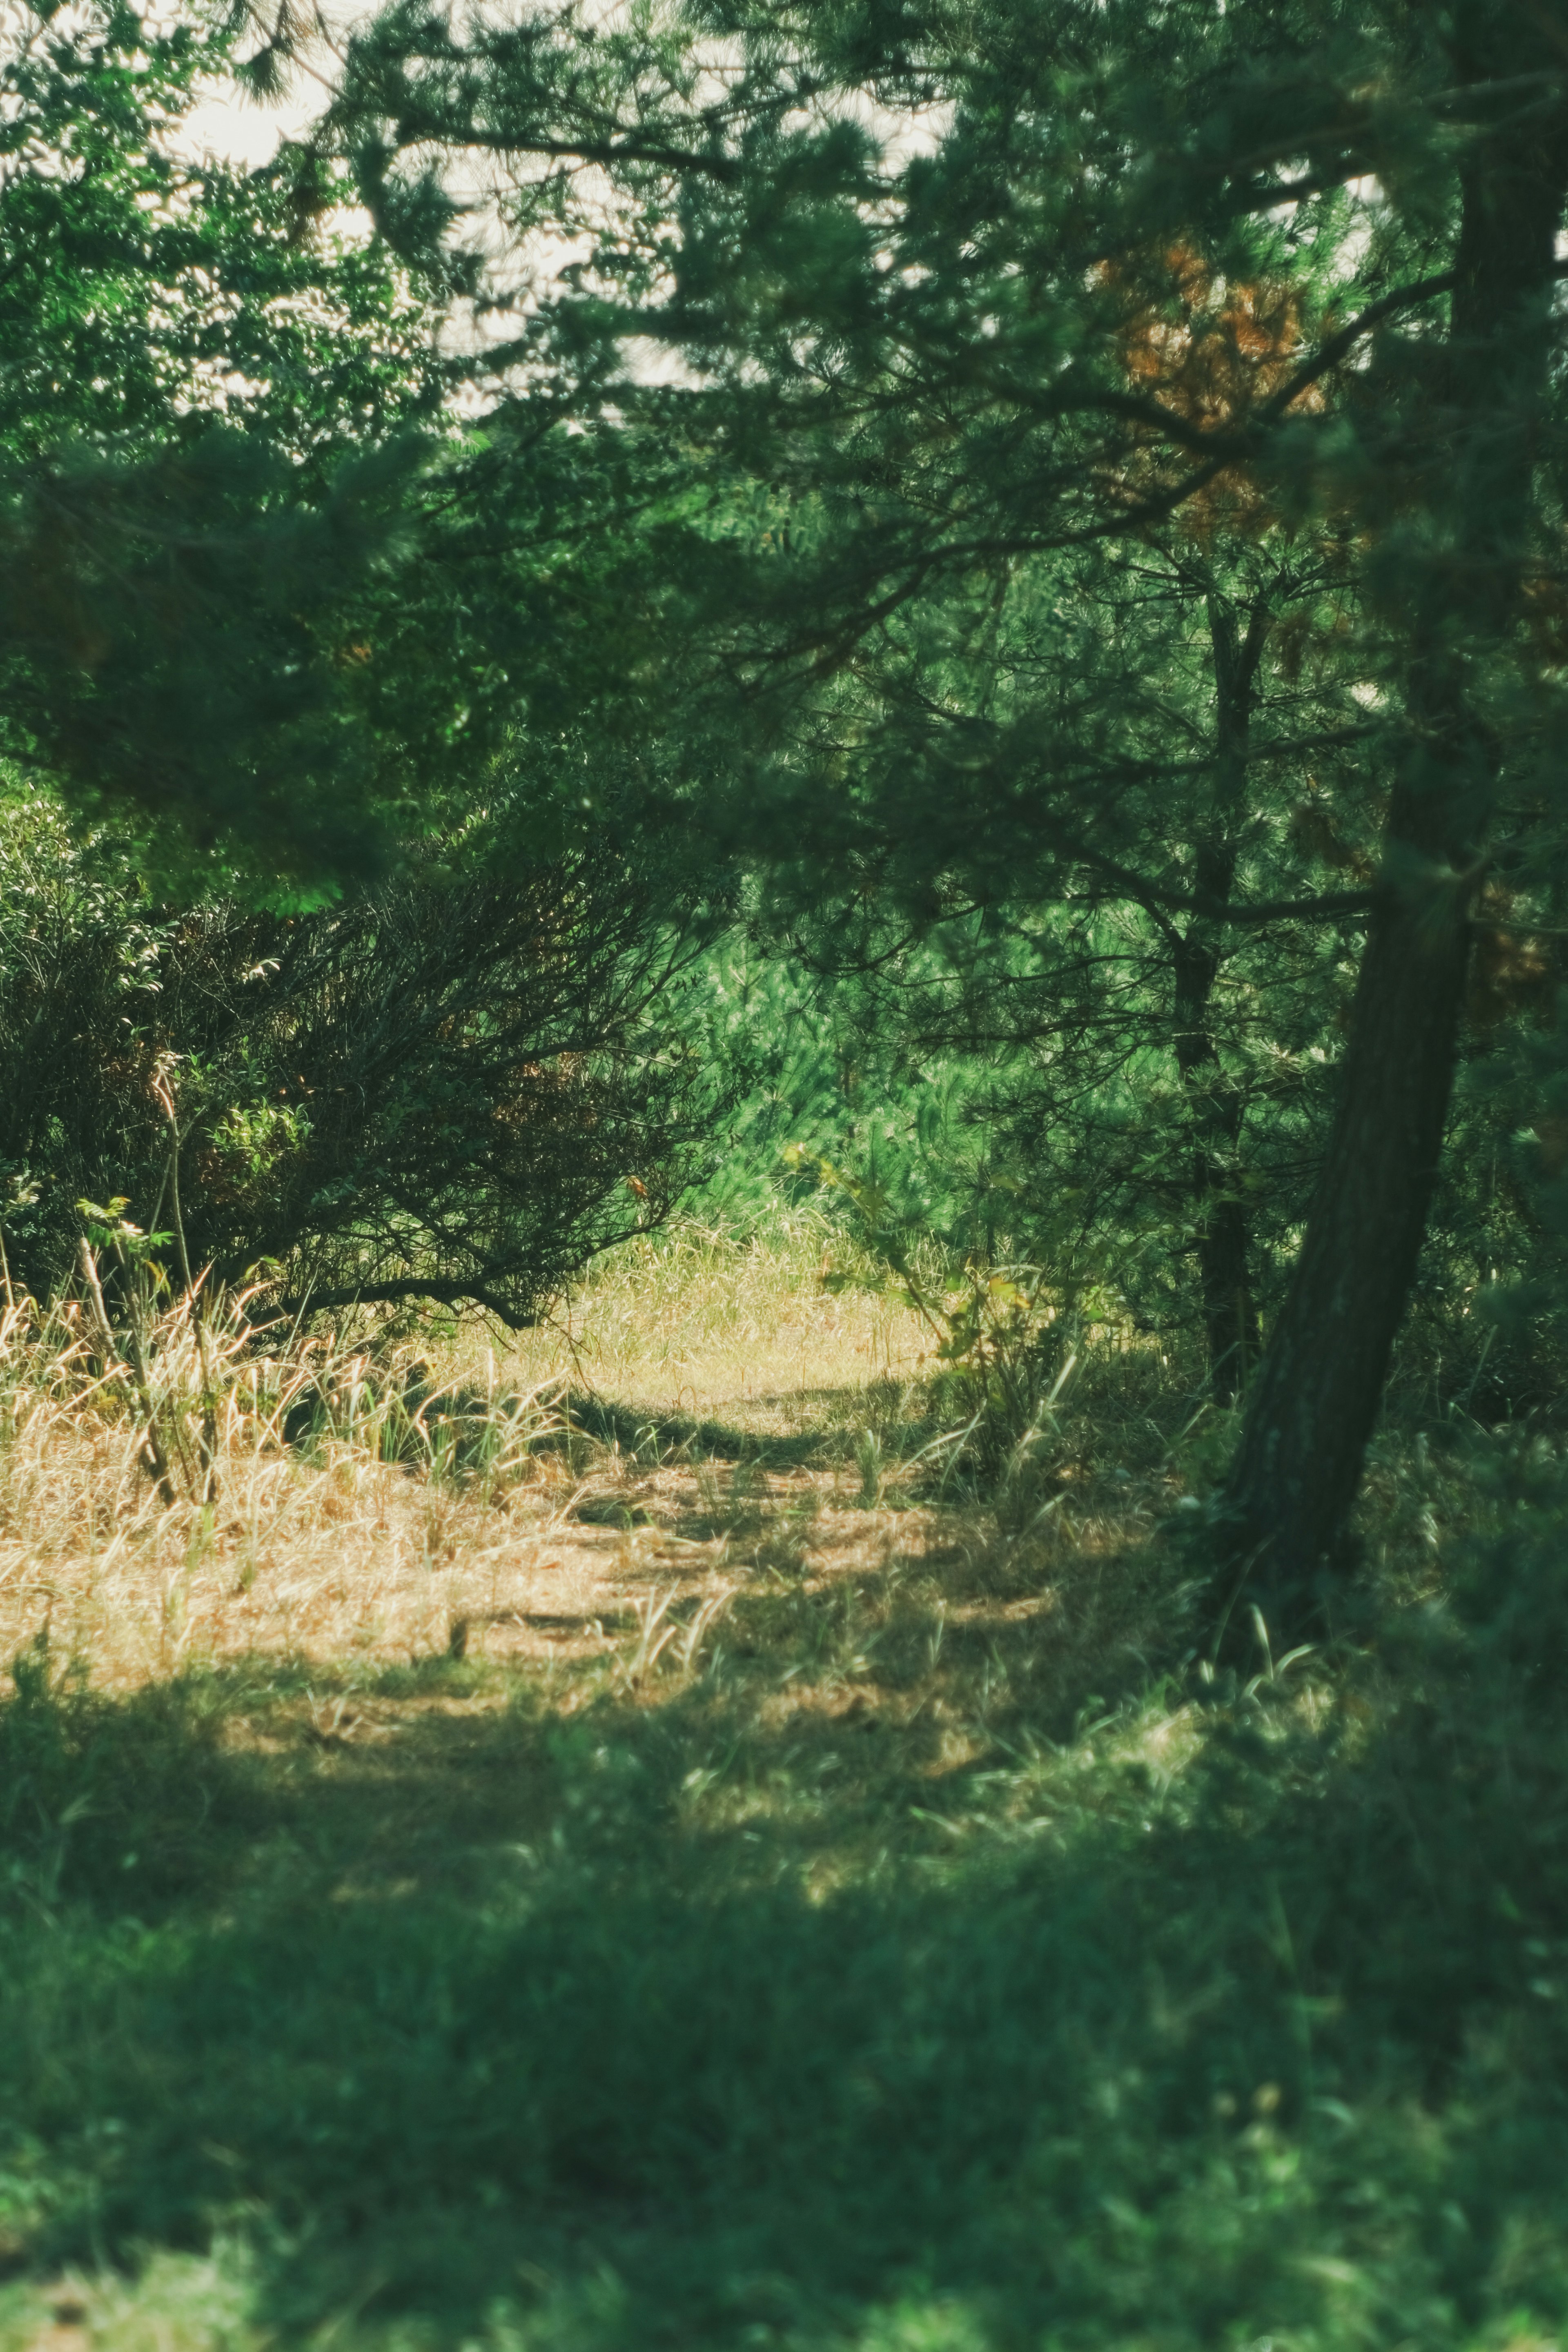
{"x":1315,"y":1400}
{"x":1229,"y":1312}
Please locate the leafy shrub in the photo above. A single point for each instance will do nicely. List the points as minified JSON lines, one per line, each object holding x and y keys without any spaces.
{"x":455,"y":1089}
{"x":1002,"y":1334}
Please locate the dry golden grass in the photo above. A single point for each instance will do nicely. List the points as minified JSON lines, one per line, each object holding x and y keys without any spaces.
{"x":323,"y":1550}
{"x":689,"y":1321}
{"x":445,"y":1510}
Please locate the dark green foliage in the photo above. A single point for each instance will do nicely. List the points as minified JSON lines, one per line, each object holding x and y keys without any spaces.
{"x":173,"y":648}
{"x":206,"y":448}
{"x":1127,"y":937}
{"x":1101,"y":567}
{"x":954,"y":623}
{"x":1019,"y":357}
{"x":455,"y":1089}
{"x":146,"y":294}
{"x":96,"y":1797}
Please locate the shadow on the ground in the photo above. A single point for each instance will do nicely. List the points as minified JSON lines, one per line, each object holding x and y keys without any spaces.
{"x":837,"y":1415}
{"x":728,"y":2022}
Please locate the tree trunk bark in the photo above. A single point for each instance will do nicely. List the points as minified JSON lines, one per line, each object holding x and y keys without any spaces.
{"x":1229,"y":1312}
{"x":1315,"y":1400}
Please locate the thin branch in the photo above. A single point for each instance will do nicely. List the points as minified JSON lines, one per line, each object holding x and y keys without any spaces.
{"x":1403,"y":298}
{"x":1326,"y":909}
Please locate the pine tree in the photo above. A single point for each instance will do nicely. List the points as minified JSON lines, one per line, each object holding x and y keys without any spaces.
{"x":206,"y":452}
{"x":954,"y":294}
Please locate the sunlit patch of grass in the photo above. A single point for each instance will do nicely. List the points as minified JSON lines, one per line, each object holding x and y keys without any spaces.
{"x":321,"y":1501}
{"x":694,"y":1321}
{"x":178,"y":2303}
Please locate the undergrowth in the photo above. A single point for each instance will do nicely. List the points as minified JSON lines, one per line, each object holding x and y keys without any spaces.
{"x":876,"y":1935}
{"x":854,"y":1990}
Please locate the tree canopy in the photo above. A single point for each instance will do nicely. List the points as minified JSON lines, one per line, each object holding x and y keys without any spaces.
{"x":207,"y":438}
{"x":968,"y":320}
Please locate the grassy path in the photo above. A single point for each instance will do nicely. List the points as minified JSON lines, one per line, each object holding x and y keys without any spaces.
{"x":707,"y":1905}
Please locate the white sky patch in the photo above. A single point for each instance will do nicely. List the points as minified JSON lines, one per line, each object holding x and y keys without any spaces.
{"x":231,"y":128}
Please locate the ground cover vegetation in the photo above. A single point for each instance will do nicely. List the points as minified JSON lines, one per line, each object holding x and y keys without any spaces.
{"x":782,"y":1159}
{"x":471,"y":1883}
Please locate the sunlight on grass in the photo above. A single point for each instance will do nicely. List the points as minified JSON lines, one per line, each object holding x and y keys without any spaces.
{"x":464,"y":1884}
{"x":690,"y":1320}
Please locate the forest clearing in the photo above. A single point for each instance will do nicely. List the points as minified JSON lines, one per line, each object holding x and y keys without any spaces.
{"x":784,"y":1175}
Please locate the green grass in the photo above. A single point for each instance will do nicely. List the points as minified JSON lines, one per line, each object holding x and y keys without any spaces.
{"x":917,"y":1978}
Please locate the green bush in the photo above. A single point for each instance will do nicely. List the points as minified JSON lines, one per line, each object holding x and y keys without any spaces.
{"x":456,"y":1089}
